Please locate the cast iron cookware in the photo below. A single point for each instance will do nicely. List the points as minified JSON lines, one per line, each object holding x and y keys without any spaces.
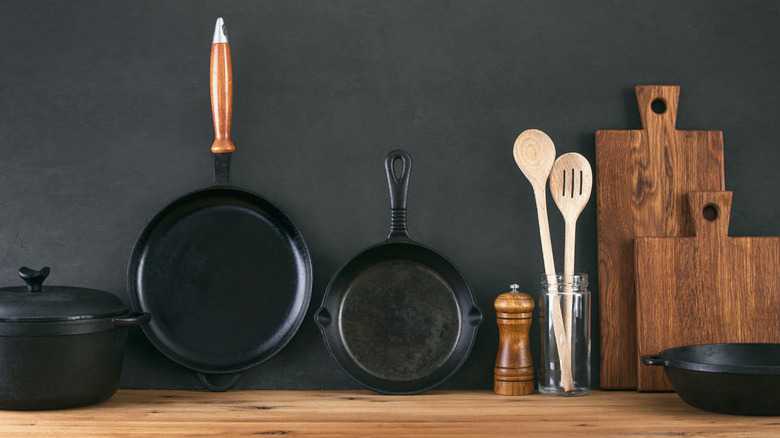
{"x":60,"y":347}
{"x":739,"y":378}
{"x":399,"y":318}
{"x":226,"y":274}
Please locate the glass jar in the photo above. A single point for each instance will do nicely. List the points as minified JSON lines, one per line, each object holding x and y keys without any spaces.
{"x":564,"y":319}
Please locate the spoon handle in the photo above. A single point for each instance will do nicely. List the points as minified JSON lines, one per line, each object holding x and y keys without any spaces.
{"x":544,"y":231}
{"x":568,"y":275}
{"x":561,"y":337}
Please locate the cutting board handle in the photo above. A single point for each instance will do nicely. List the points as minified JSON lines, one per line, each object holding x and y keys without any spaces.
{"x":658,"y":105}
{"x":710,"y":212}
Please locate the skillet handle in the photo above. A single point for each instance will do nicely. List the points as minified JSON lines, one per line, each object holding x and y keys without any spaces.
{"x":654,"y":360}
{"x":399,"y":186}
{"x":221,"y":90}
{"x":209,"y":381}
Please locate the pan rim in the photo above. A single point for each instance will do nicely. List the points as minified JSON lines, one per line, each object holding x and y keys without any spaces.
{"x":298,"y":247}
{"x":708,"y":367}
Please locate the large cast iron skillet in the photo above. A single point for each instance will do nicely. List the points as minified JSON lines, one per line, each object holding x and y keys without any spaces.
{"x":399,"y":318}
{"x":739,"y":379}
{"x":224,"y":272}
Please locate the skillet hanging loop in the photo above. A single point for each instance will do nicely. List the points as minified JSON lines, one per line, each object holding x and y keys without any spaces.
{"x":399,"y":187}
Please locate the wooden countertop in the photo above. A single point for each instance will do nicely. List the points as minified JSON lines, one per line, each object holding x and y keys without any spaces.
{"x":363,"y":413}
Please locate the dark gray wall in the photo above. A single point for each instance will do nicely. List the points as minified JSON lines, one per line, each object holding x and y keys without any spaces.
{"x":105,"y":118}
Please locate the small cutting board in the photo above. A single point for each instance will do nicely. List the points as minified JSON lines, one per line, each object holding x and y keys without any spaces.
{"x":641,"y":179}
{"x":706,"y":289}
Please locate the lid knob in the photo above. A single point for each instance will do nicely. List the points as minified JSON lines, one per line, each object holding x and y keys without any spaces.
{"x":33,"y":278}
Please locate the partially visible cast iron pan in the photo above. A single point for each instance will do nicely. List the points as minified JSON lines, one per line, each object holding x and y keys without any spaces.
{"x":734,"y":378}
{"x":399,"y":318}
{"x":224,"y":272}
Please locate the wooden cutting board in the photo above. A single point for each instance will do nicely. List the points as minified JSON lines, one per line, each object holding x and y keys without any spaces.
{"x":706,"y":289}
{"x":641,"y":179}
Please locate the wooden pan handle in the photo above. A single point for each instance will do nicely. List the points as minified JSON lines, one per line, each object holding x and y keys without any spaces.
{"x":658,"y":105}
{"x":221,"y":91}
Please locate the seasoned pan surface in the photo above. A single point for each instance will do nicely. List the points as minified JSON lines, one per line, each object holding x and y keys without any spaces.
{"x":399,"y":318}
{"x":227,"y":277}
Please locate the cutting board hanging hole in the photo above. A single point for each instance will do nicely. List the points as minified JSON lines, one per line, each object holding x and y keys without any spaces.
{"x":710,"y":212}
{"x":658,"y":106}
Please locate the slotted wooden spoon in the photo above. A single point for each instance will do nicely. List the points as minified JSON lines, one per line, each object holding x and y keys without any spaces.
{"x":571,"y":181}
{"x":534,"y":154}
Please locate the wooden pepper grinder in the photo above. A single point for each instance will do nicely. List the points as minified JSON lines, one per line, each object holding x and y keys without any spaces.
{"x":514,"y":371}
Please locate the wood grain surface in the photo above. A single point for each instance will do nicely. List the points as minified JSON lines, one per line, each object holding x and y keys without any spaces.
{"x":361,"y":413}
{"x":710,"y":288}
{"x":222,"y":97}
{"x":641,"y":179}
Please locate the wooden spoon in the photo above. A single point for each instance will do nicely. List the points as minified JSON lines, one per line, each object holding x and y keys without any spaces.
{"x":571,"y":181}
{"x":534,"y":154}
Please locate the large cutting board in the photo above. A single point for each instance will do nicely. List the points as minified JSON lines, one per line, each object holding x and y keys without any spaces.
{"x":710,"y":288}
{"x":641,"y":179}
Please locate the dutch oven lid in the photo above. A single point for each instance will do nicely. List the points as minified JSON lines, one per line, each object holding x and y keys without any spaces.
{"x":36,"y":302}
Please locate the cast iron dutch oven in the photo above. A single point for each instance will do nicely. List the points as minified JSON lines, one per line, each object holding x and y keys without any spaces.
{"x":399,"y":318}
{"x":60,"y":347}
{"x":741,"y":379}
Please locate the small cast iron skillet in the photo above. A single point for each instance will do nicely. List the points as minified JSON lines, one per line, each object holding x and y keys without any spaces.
{"x":399,"y":318}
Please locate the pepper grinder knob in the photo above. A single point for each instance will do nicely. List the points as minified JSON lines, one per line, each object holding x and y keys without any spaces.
{"x":514,"y":371}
